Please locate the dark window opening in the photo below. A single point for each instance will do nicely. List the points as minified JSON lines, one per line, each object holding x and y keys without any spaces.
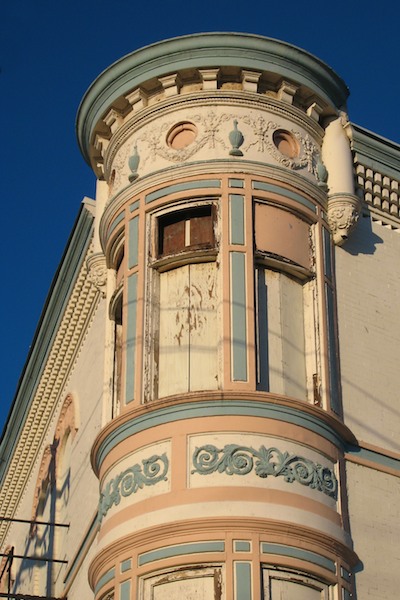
{"x":186,"y":230}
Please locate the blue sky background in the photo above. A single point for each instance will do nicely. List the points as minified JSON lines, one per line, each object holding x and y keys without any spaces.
{"x":51,"y":51}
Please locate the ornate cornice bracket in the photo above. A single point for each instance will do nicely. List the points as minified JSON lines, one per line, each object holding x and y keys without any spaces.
{"x":343,"y":213}
{"x":97,"y":272}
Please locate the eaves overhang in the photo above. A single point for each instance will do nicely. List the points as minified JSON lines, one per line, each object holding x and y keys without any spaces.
{"x":47,"y":328}
{"x":205,"y":50}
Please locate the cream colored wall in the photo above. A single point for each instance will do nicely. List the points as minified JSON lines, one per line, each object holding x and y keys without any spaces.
{"x":368,"y":287}
{"x":85,"y":385}
{"x":375,"y":528}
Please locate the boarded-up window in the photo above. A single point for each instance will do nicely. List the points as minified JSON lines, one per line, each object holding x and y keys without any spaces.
{"x":186,"y":230}
{"x":203,"y":583}
{"x":280,"y":334}
{"x":188,"y":330}
{"x":279,"y":585}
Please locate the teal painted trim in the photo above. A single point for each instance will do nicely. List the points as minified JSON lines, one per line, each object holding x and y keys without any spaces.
{"x":115,"y":223}
{"x":243,"y":581}
{"x":238,"y":316}
{"x":170,"y":551}
{"x":208,"y":50}
{"x":131,"y":338}
{"x":104,"y":579}
{"x":53,"y":311}
{"x":375,"y":457}
{"x":134,"y":206}
{"x":126,"y":565}
{"x":327,"y":245}
{"x":332,"y":351}
{"x":83,"y":549}
{"x":236,"y":183}
{"x":346,"y":595}
{"x":182,"y":187}
{"x":236,"y":205}
{"x":125,"y":590}
{"x":375,"y":151}
{"x":276,"y":189}
{"x":215,"y":408}
{"x":345,"y":574}
{"x":133,"y":248}
{"x":312,"y":557}
{"x":242,"y":546}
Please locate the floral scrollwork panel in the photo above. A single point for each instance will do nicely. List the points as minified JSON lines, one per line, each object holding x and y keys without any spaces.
{"x":128,"y":482}
{"x":266,"y":462}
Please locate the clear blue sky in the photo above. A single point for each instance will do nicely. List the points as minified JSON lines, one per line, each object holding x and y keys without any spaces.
{"x":50,"y":52}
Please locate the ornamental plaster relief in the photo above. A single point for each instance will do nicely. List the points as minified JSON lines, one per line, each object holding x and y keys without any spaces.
{"x":215,"y":133}
{"x":262,"y":462}
{"x":139,"y":476}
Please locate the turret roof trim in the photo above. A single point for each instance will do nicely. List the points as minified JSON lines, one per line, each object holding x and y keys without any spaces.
{"x":204,"y":50}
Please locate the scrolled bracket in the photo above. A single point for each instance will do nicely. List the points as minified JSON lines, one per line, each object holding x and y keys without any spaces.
{"x":343,"y":213}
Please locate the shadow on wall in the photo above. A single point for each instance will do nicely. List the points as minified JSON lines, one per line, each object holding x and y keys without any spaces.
{"x":363,"y":240}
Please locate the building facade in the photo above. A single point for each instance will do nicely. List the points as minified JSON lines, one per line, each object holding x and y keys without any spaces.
{"x":208,"y":409}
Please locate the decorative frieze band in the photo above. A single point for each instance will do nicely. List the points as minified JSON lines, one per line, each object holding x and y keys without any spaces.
{"x":128,"y":482}
{"x":233,"y":459}
{"x":380,"y":191}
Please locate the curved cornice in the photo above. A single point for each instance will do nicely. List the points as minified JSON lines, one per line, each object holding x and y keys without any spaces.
{"x":200,"y":404}
{"x":296,"y":535}
{"x":209,"y":50}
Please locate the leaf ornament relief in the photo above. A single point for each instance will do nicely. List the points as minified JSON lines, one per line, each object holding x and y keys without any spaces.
{"x":266,"y":462}
{"x":128,"y":482}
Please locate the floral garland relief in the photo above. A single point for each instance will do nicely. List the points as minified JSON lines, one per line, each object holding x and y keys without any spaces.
{"x":266,"y":462}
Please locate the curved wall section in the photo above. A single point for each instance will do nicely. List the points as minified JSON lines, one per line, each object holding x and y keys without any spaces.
{"x":221,"y":458}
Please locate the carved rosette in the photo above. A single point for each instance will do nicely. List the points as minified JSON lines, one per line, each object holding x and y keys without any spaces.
{"x":343,"y":212}
{"x":97,"y":272}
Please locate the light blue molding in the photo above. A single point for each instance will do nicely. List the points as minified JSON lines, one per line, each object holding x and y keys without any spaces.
{"x":131,"y":339}
{"x":182,"y":187}
{"x":128,"y":482}
{"x":104,"y":579}
{"x":216,"y":408}
{"x":233,"y":459}
{"x":236,"y":183}
{"x":209,"y":50}
{"x":126,"y":565}
{"x":238,"y":316}
{"x":243,"y":581}
{"x":241,"y":546}
{"x":180,"y":550}
{"x":236,"y":206}
{"x":276,"y":189}
{"x":375,"y":151}
{"x":345,"y":574}
{"x":375,"y":457}
{"x":133,"y":242}
{"x":134,"y":206}
{"x":125,"y":590}
{"x":115,"y":223}
{"x":293,"y":552}
{"x":332,"y":351}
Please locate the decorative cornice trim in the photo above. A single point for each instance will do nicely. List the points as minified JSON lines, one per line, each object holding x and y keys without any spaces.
{"x":202,"y":99}
{"x":269,"y":530}
{"x":199,"y":405}
{"x":64,"y":323}
{"x":375,"y":151}
{"x":199,"y":50}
